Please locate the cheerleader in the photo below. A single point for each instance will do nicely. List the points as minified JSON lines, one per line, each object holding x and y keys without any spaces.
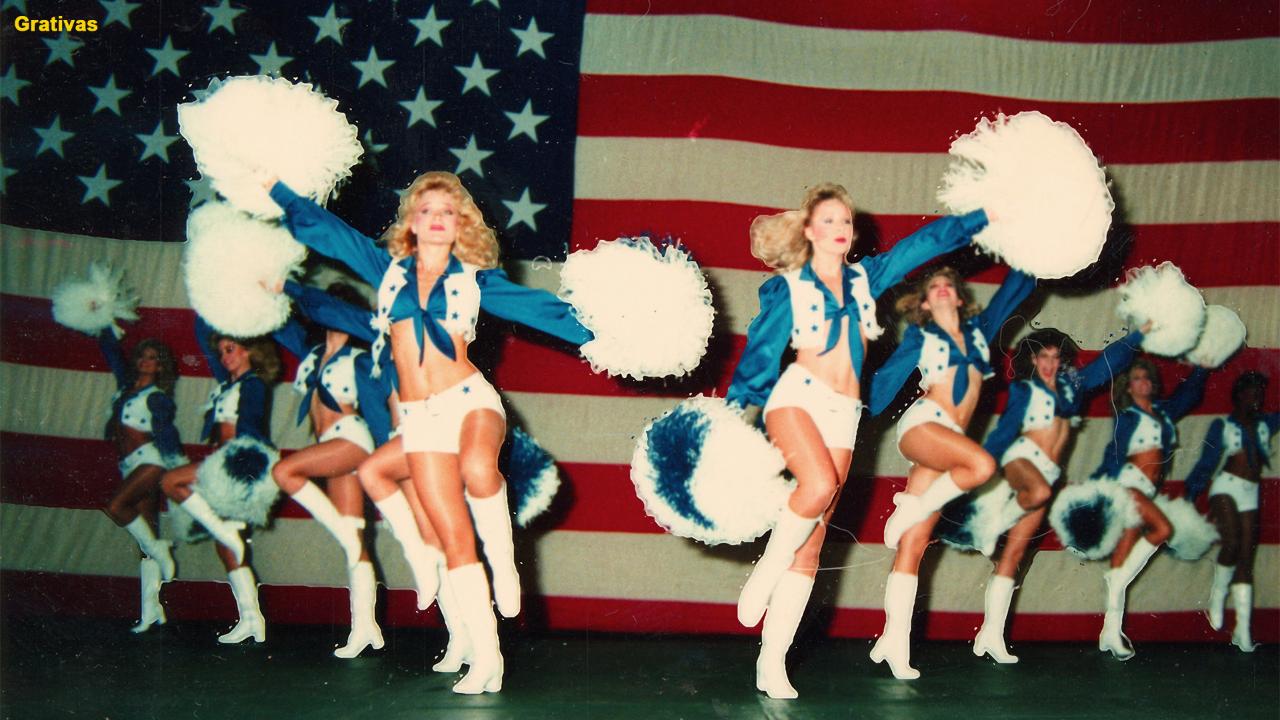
{"x":1139,"y":451}
{"x":439,"y":270}
{"x":348,"y":411}
{"x":142,"y":430}
{"x":1235,"y":452}
{"x":825,"y":308}
{"x":236,"y":477}
{"x":947,"y":340}
{"x":1029,"y":441}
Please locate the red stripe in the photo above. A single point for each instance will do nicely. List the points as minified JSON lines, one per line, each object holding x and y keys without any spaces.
{"x":29,"y":593}
{"x":1076,"y":21}
{"x":80,"y":474}
{"x":716,"y":236}
{"x":687,"y":106}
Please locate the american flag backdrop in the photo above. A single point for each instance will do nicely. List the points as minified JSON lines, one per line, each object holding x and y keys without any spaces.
{"x":575,"y":122}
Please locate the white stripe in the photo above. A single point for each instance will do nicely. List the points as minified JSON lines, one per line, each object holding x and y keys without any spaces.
{"x":731,"y":171}
{"x":929,"y":60}
{"x":604,"y":565}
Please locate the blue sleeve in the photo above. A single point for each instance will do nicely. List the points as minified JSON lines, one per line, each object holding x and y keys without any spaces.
{"x":1116,"y":453}
{"x":1187,"y":396}
{"x":372,"y":395}
{"x":328,"y":235}
{"x":1009,"y":427}
{"x":1015,"y":288}
{"x":891,"y":376}
{"x":537,"y":309}
{"x":163,"y":432}
{"x":1210,"y":455}
{"x":767,"y":336}
{"x":1113,"y":360}
{"x":111,"y":352}
{"x":1273,"y":422}
{"x":330,"y":312}
{"x":293,"y":338}
{"x":937,"y":238}
{"x":251,"y":418}
{"x":203,"y":332}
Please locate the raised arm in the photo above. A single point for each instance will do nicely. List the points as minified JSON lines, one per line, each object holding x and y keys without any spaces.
{"x":1210,"y":456}
{"x":114,"y":355}
{"x":1187,"y":396}
{"x":767,"y":336}
{"x":204,"y":331}
{"x":1113,"y":359}
{"x":328,"y":235}
{"x":330,"y":312}
{"x":292,"y":337}
{"x":537,"y":309}
{"x":937,"y":238}
{"x":1015,"y":288}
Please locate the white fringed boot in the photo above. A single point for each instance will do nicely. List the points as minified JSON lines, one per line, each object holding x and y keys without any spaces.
{"x":789,"y":533}
{"x":155,"y":548}
{"x":990,"y":639}
{"x":1218,"y":594}
{"x":493,"y":524}
{"x":152,"y":611}
{"x":1242,"y":599}
{"x":894,"y":644}
{"x":911,"y":509}
{"x":458,"y":651}
{"x":472,"y":589}
{"x":423,"y":559}
{"x":251,"y":624}
{"x":364,"y":625}
{"x":322,"y":510}
{"x":786,"y":607}
{"x":225,"y":532}
{"x":1113,"y":639}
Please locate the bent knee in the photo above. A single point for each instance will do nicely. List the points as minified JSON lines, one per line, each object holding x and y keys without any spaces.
{"x":1037,"y":496}
{"x":983,"y":467}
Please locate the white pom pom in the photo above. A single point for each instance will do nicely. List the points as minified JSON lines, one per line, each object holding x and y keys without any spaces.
{"x":247,"y":126}
{"x":1222,"y":336}
{"x":94,"y":305}
{"x":977,"y":519}
{"x":650,"y":310}
{"x":1192,"y":534}
{"x":1161,"y":295}
{"x":231,"y":260}
{"x":704,"y":473}
{"x":1090,"y":517}
{"x":236,"y":480}
{"x":1043,"y":188}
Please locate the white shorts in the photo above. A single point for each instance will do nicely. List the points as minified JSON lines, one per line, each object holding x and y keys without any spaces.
{"x":1024,"y":449}
{"x":1245,"y":493}
{"x":924,"y":411}
{"x":351,"y":428}
{"x":1131,"y":477}
{"x":149,"y":454}
{"x":835,"y":414}
{"x":435,"y":424}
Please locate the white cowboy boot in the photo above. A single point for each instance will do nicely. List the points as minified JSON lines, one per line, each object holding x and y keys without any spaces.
{"x":251,"y":624}
{"x":225,"y":532}
{"x":990,"y":639}
{"x":423,"y":559}
{"x":894,"y":644}
{"x":364,"y":626}
{"x":472,"y":589}
{"x":789,"y":533}
{"x":152,"y":611}
{"x":790,"y":597}
{"x":493,"y":524}
{"x":155,"y":548}
{"x":321,"y":508}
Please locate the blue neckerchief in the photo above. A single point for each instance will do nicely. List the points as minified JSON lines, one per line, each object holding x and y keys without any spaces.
{"x":961,"y":361}
{"x":841,"y":314}
{"x":1063,"y":397}
{"x":1252,"y":448}
{"x":436,"y":311}
{"x":314,"y":385}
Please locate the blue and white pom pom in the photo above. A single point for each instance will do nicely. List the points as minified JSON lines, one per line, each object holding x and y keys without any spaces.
{"x":532,"y":477}
{"x":95,"y":304}
{"x":1090,"y":517}
{"x":1042,"y":187}
{"x":1162,"y":296}
{"x":704,"y":473}
{"x":1192,"y":534}
{"x":650,"y":310}
{"x":1223,"y":335}
{"x":976,"y":520}
{"x":247,"y":126}
{"x":232,"y":265}
{"x":181,"y":526}
{"x":236,"y":481}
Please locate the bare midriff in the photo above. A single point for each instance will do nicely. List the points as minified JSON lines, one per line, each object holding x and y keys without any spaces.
{"x":322,"y":416}
{"x":941,"y":390}
{"x":834,"y":368}
{"x":1149,"y":462}
{"x":1238,"y":465}
{"x":1051,"y":440}
{"x":436,"y":373}
{"x":223,"y":433}
{"x":128,"y":439}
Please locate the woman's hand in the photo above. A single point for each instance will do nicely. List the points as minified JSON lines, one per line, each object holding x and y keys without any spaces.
{"x":274,"y":287}
{"x":265,"y":177}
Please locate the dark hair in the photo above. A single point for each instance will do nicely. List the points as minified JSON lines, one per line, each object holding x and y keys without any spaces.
{"x":348,"y":294}
{"x":1031,"y":345}
{"x":167,"y":368}
{"x":1120,"y":384}
{"x":909,"y":304}
{"x":264,"y":359}
{"x":1251,"y":379}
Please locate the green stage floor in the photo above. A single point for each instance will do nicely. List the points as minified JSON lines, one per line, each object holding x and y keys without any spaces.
{"x":86,"y":668}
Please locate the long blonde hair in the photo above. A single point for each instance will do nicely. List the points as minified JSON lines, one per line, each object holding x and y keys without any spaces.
{"x":476,"y":242}
{"x":778,"y":240}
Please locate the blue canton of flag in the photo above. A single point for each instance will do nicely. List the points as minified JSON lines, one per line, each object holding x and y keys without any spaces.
{"x":484,"y":88}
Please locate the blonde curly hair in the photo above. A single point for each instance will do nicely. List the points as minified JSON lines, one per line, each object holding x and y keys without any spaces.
{"x":778,"y":240}
{"x":908,"y":305}
{"x":264,"y":358}
{"x":476,"y":242}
